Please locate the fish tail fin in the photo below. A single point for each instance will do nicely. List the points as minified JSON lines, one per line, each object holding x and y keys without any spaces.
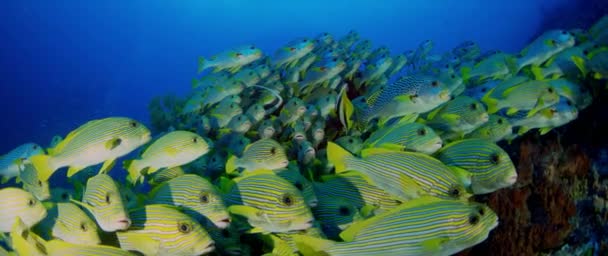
{"x":43,"y":165}
{"x":465,"y":73}
{"x":231,"y":164}
{"x":537,"y":72}
{"x":490,"y":102}
{"x":346,"y":110}
{"x":133,"y":169}
{"x":580,"y":64}
{"x":201,"y":64}
{"x":338,"y":156}
{"x":308,"y":245}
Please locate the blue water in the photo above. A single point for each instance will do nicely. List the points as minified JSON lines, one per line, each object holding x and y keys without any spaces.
{"x":63,"y":63}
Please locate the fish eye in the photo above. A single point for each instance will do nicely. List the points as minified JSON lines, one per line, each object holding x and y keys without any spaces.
{"x":550,"y":90}
{"x":453,"y":76}
{"x":108,"y":198}
{"x":251,"y":73}
{"x":241,"y":142}
{"x":484,"y":89}
{"x":305,"y":40}
{"x":500,"y":121}
{"x":447,"y":66}
{"x":294,"y":103}
{"x":481,"y":211}
{"x":225,"y":233}
{"x":585,"y":52}
{"x":473,"y":106}
{"x":434,"y":83}
{"x":344,"y":211}
{"x":213,"y":159}
{"x":238,"y":118}
{"x":195,"y":139}
{"x":231,"y":105}
{"x":421,"y":132}
{"x":31,"y":202}
{"x":127,"y":198}
{"x":569,"y":103}
{"x":473,"y":220}
{"x":273,"y":150}
{"x":39,"y":183}
{"x":287,"y":199}
{"x":455,"y":192}
{"x":351,"y":141}
{"x":184,"y":227}
{"x":325,"y":34}
{"x":335,"y":59}
{"x":252,"y":47}
{"x":64,"y":196}
{"x":494,"y":159}
{"x":204,"y":197}
{"x":299,"y":186}
{"x":133,"y":124}
{"x":35,"y":147}
{"x":83,"y":227}
{"x":564,"y":32}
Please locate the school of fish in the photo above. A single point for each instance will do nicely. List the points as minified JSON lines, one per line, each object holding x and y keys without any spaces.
{"x":325,"y":147}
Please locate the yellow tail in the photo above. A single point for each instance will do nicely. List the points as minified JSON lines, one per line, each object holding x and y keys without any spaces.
{"x":231,"y":165}
{"x":42,"y":163}
{"x":538,"y":72}
{"x":465,"y":73}
{"x":338,"y":156}
{"x":133,"y":168}
{"x":308,"y":245}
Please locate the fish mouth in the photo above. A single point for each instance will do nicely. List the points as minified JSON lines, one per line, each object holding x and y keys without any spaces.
{"x":512,"y":179}
{"x":234,"y":251}
{"x":313,"y":203}
{"x":208,"y":249}
{"x":444,"y":95}
{"x":299,"y":137}
{"x":123,"y":224}
{"x":485,"y":117}
{"x":223,"y":223}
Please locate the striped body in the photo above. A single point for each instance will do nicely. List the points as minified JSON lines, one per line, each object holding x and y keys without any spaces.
{"x":411,"y":137}
{"x":292,"y":52}
{"x":93,"y":143}
{"x":69,"y":223}
{"x":265,"y":154}
{"x":461,"y":115}
{"x":17,"y":202}
{"x":525,"y":96}
{"x":557,"y":115}
{"x":336,"y":214}
{"x":61,"y":248}
{"x":546,"y":45}
{"x":355,"y":189}
{"x":406,"y":175}
{"x":103,"y":199}
{"x":163,"y":230}
{"x":31,"y":183}
{"x":231,"y":59}
{"x":173,"y":149}
{"x":435,"y":228}
{"x":196,"y":195}
{"x":489,"y":166}
{"x":293,"y":175}
{"x":274,"y":204}
{"x":495,"y":129}
{"x":13,"y":161}
{"x":165,"y":175}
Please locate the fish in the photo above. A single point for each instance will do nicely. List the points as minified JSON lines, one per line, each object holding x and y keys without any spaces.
{"x":578,"y":94}
{"x":354,"y":144}
{"x":452,"y":81}
{"x":324,"y":38}
{"x":405,"y":136}
{"x":103,"y":200}
{"x":292,"y":111}
{"x":489,"y":167}
{"x":247,"y":76}
{"x":495,"y":129}
{"x":12,"y":162}
{"x":163,"y":230}
{"x":321,"y":71}
{"x":58,"y":248}
{"x":239,"y":124}
{"x":467,"y":50}
{"x":266,"y":130}
{"x":18,"y":203}
{"x":598,"y":61}
{"x":268,"y":202}
{"x":289,"y":54}
{"x":406,"y":175}
{"x":174,"y":149}
{"x":336,"y":214}
{"x":306,"y":152}
{"x":66,"y":221}
{"x":222,"y":113}
{"x":398,"y":63}
{"x":496,"y":66}
{"x":443,"y":227}
{"x":531,"y":95}
{"x":31,"y":183}
{"x":218,"y":93}
{"x":256,"y":113}
{"x":569,"y":62}
{"x":376,"y":68}
{"x":165,"y":174}
{"x":352,"y":66}
{"x":460,"y":116}
{"x":546,"y":119}
{"x":317,"y":133}
{"x":97,"y":141}
{"x":196,"y":196}
{"x":228,"y":241}
{"x":232,"y":59}
{"x":266,"y":154}
{"x":25,"y":242}
{"x":293,"y":175}
{"x":349,"y":39}
{"x":409,"y":95}
{"x":478,"y":91}
{"x":544,"y":47}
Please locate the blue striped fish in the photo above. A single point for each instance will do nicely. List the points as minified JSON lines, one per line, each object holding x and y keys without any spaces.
{"x":427,"y":226}
{"x":13,"y":161}
{"x":163,"y":230}
{"x":196,"y":195}
{"x":459,"y":116}
{"x":404,"y":135}
{"x":495,"y":129}
{"x":268,"y":202}
{"x":488,"y":166}
{"x":406,"y":175}
{"x":103,"y":200}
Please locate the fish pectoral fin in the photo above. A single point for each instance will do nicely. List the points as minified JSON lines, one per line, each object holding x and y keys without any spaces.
{"x":409,"y":186}
{"x":246,"y":211}
{"x":451,"y":118}
{"x":434,"y":244}
{"x":107,"y":166}
{"x":392,"y":146}
{"x":143,"y":242}
{"x":512,"y":111}
{"x":256,"y":230}
{"x":113,"y":143}
{"x":545,"y":130}
{"x":522,"y":130}
{"x":171,"y":151}
{"x":73,"y":170}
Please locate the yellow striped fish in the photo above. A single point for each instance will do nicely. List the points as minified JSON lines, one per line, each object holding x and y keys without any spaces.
{"x":13,"y":161}
{"x":17,"y":202}
{"x":98,"y":141}
{"x":352,"y":187}
{"x":264,"y":154}
{"x":173,"y":149}
{"x":268,"y":202}
{"x":69,"y":223}
{"x":488,"y":166}
{"x":61,"y":248}
{"x":25,"y":242}
{"x":166,"y":175}
{"x":31,"y":183}
{"x":458,"y":117}
{"x":405,"y":136}
{"x":427,"y":226}
{"x":196,"y":195}
{"x":496,"y":129}
{"x":283,"y":244}
{"x":406,"y":175}
{"x":293,"y":175}
{"x":103,"y":200}
{"x":163,"y":230}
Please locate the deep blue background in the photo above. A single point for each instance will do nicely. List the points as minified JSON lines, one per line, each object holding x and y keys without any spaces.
{"x":63,"y":63}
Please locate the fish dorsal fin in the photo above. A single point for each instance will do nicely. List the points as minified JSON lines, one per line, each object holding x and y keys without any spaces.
{"x":371,"y":100}
{"x":433,"y":113}
{"x":375,"y":151}
{"x":71,"y":136}
{"x":506,"y":92}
